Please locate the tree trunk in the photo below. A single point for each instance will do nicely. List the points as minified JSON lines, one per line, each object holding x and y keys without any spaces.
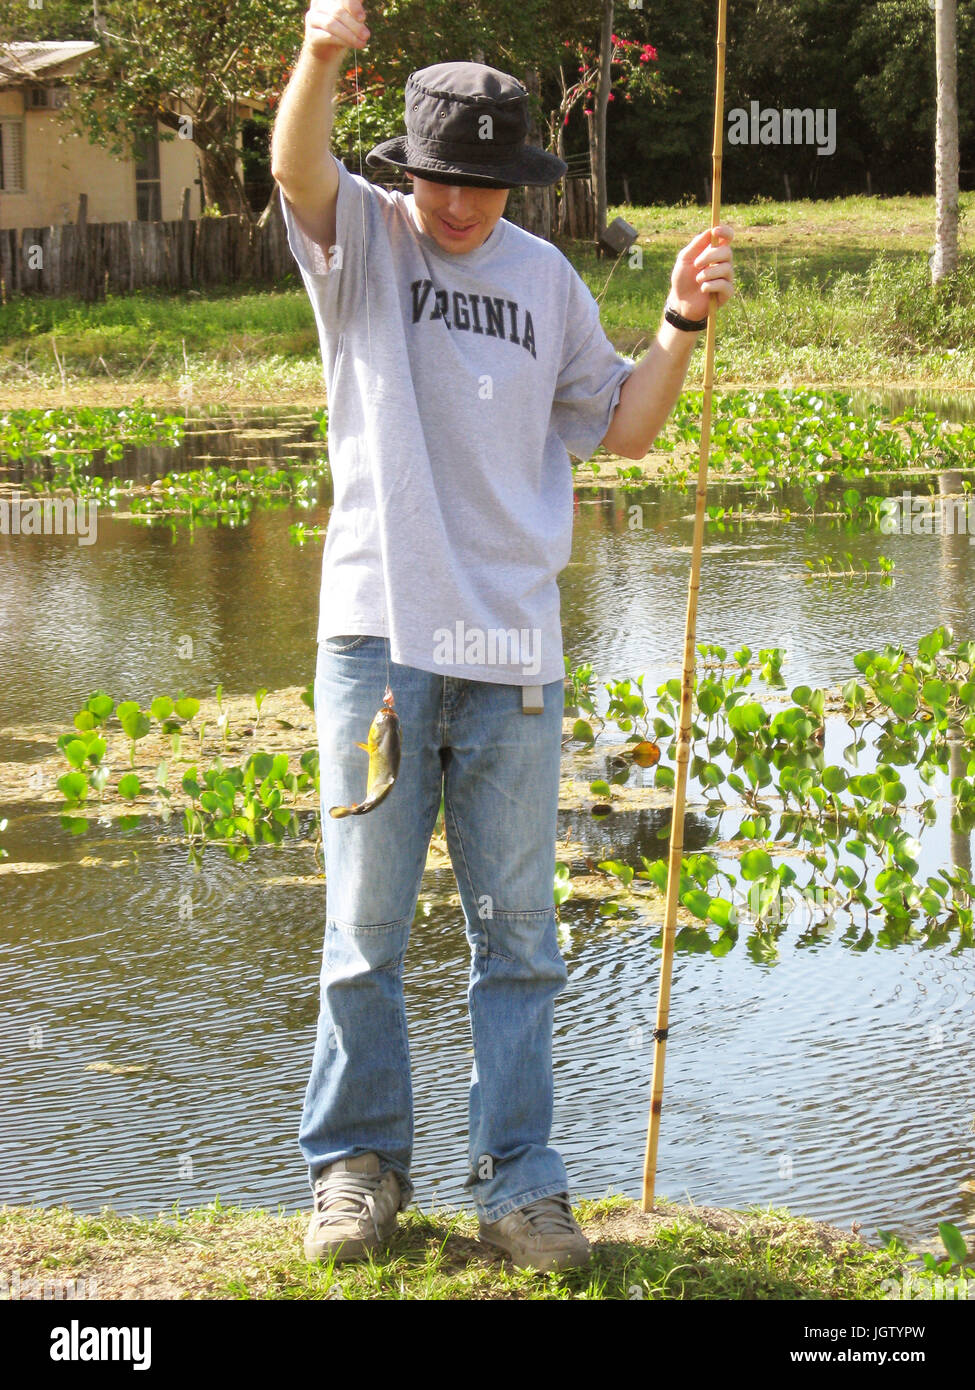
{"x":539,"y":203}
{"x":945,"y":259}
{"x":598,"y":124}
{"x":220,"y":188}
{"x":214,"y":134}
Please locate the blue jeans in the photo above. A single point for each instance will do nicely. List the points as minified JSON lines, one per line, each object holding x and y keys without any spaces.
{"x":498,"y":770}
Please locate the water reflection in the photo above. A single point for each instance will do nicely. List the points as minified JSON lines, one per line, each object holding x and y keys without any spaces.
{"x":835,"y":1084}
{"x":955,"y":405}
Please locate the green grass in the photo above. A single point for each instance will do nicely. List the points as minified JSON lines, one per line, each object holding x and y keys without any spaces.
{"x":834,"y":291}
{"x":217,"y":1252}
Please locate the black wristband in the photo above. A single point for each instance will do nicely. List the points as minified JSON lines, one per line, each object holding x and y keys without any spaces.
{"x":686,"y":325}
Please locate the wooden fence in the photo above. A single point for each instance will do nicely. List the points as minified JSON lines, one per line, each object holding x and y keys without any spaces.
{"x":92,"y":259}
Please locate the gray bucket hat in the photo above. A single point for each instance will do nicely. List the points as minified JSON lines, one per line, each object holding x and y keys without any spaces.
{"x":467,"y":123}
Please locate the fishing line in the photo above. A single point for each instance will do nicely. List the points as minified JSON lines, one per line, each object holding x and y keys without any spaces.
{"x":365,"y":273}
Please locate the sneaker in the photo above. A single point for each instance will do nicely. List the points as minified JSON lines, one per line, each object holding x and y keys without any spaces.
{"x":356,"y":1206}
{"x":542,"y":1236}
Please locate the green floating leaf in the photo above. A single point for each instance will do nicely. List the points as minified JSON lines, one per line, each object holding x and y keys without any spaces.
{"x":758,"y":771}
{"x":100,"y":705}
{"x":619,"y":870}
{"x":129,"y":786}
{"x":755,"y":864}
{"x":133,"y":721}
{"x":747,"y":718}
{"x":656,"y":871}
{"x":696,"y":901}
{"x":96,"y":750}
{"x":834,"y":779}
{"x":73,"y":786}
{"x":723,"y":912}
{"x":76,"y":752}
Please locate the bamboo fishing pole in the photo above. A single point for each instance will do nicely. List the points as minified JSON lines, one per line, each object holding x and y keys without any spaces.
{"x":687,"y":676}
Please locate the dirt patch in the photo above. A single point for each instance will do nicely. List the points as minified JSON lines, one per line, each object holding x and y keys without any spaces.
{"x":132,"y":1263}
{"x":637,"y":1227}
{"x":164,"y":395}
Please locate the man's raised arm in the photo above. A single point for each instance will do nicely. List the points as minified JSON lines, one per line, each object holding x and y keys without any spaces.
{"x":301,"y":161}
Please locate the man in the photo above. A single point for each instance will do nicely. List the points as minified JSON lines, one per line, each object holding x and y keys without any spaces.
{"x":464,"y":360}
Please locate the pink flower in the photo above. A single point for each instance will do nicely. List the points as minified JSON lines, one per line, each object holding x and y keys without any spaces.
{"x":611,"y":97}
{"x":566,"y":121}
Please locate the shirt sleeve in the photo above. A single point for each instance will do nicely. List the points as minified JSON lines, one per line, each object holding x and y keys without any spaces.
{"x":334,"y":276}
{"x":590,"y":378}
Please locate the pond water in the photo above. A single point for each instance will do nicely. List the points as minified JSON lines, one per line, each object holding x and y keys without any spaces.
{"x":833,"y":1083}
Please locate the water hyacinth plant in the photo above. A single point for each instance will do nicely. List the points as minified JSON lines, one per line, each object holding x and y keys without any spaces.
{"x":852,"y":827}
{"x":80,"y":433}
{"x":232,"y":806}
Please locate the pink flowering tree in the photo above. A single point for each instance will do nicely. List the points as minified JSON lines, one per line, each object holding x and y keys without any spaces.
{"x":620,"y":69}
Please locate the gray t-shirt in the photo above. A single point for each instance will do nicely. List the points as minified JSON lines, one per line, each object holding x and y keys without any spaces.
{"x":455,"y":389}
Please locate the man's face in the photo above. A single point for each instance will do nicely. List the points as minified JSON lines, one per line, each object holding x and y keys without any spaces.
{"x":459,"y":217}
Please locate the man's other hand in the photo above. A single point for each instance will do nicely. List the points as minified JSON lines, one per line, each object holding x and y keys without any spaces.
{"x":702,"y":270}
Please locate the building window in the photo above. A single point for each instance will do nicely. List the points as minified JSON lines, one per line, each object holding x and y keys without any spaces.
{"x":48,"y":98}
{"x":12,"y":156}
{"x":148,"y":198}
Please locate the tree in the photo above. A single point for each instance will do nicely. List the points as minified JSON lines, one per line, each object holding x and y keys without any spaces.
{"x":945,"y":259}
{"x":634,"y":77}
{"x":598,"y":128}
{"x":51,"y":21}
{"x":193,"y":66}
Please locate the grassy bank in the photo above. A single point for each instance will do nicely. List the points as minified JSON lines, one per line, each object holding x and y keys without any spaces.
{"x":674,"y":1252}
{"x":832,"y":291}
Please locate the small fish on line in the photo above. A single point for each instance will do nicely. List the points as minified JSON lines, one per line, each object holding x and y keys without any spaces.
{"x":646,"y":754}
{"x":383,"y":744}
